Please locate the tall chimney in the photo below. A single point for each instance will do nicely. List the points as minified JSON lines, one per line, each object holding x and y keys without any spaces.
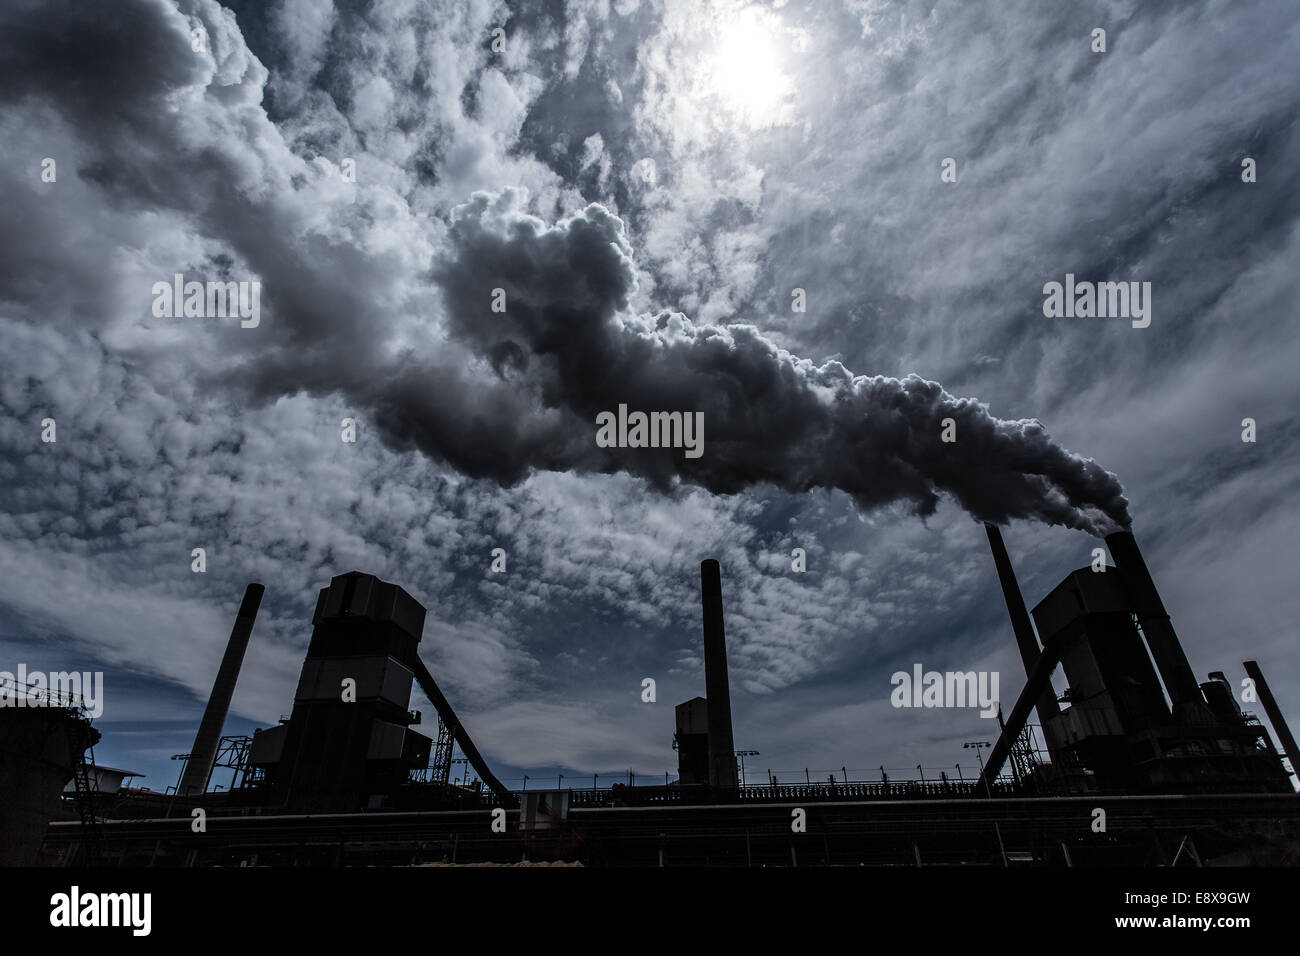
{"x":1180,"y":682}
{"x":722,"y":759}
{"x":1274,"y":715}
{"x":1046,"y":704}
{"x":204,"y":752}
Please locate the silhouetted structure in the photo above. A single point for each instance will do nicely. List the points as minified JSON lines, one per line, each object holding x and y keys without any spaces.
{"x":1046,"y":704}
{"x":692,"y":741}
{"x":41,"y":749}
{"x":1118,"y":729}
{"x":1193,"y":767}
{"x":1274,"y":712}
{"x":1184,"y":693}
{"x":722,"y":748}
{"x":198,"y":768}
{"x":348,"y":744}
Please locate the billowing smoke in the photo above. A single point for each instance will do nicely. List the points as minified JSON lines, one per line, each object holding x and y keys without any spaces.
{"x":186,"y":149}
{"x":567,"y":348}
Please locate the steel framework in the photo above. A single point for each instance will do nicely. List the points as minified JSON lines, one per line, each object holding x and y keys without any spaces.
{"x":440,"y":767}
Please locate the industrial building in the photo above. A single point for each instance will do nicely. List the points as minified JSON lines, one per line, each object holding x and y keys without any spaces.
{"x":1118,"y":734}
{"x":1185,"y":775}
{"x":42,"y":750}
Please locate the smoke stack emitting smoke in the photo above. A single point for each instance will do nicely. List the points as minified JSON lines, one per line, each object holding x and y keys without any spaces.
{"x":567,"y":348}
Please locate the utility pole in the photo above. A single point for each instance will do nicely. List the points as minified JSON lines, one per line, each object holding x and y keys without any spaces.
{"x":742,"y":754}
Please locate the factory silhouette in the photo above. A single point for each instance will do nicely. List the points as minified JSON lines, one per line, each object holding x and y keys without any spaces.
{"x":1182,"y":774}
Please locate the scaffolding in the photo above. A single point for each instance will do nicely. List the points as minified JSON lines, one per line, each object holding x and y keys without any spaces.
{"x":232,"y":753}
{"x":440,"y":766}
{"x":1024,"y":758}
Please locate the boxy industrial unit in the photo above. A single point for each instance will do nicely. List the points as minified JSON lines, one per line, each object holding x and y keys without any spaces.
{"x":348,"y":743}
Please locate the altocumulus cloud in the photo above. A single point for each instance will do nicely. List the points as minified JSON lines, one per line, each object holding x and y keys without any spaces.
{"x":346,"y":283}
{"x":376,"y":301}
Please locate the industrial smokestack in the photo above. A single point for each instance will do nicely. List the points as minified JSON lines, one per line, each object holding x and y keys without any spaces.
{"x":722,"y":759}
{"x":1046,"y":705}
{"x":204,"y":752}
{"x":1184,"y":693}
{"x":1274,"y":715}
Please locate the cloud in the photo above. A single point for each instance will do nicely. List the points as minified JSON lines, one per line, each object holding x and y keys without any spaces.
{"x":225,"y":163}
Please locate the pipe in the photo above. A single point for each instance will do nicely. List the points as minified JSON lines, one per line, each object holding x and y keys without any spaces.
{"x":441,"y":705}
{"x":1040,"y":677}
{"x":1274,"y":715}
{"x":1184,"y":693}
{"x":204,"y":752}
{"x":1046,"y":705}
{"x":722,"y":758}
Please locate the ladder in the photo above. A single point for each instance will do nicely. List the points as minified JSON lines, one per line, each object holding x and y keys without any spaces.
{"x":82,"y":794}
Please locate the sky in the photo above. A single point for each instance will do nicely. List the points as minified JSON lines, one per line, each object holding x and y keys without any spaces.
{"x":738,"y":209}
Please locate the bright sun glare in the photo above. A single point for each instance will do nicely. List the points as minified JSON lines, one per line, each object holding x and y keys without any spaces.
{"x":745,"y":71}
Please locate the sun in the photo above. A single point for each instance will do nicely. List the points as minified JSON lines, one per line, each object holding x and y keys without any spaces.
{"x":745,"y":70}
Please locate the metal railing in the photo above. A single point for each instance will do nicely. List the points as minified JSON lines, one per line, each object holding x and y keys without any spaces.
{"x":14,"y":694}
{"x":650,"y":796}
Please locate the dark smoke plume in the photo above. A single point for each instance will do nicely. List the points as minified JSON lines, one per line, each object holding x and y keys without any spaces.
{"x":510,"y":392}
{"x":567,"y":348}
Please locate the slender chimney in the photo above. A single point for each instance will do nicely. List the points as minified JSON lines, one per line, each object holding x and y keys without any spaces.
{"x":1274,"y":715}
{"x":1180,"y":682}
{"x":1046,"y":704}
{"x":722,"y":759}
{"x":204,"y":752}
